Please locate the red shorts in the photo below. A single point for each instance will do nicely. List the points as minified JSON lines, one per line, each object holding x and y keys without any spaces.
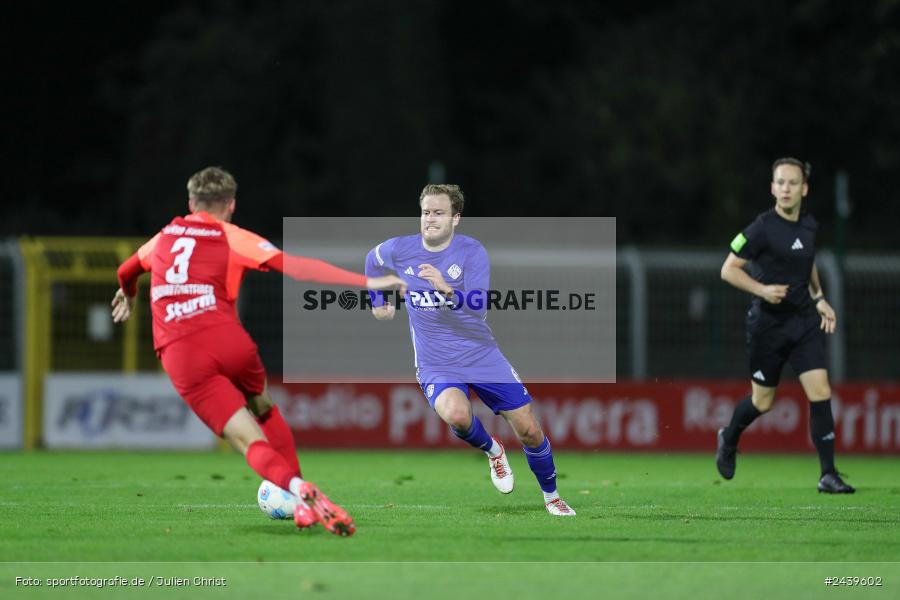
{"x":214,"y":370}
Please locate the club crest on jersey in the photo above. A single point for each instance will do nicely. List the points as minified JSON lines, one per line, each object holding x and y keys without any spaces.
{"x":454,"y":271}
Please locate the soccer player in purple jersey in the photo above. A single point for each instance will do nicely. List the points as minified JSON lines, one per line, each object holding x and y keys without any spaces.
{"x":448,"y":278}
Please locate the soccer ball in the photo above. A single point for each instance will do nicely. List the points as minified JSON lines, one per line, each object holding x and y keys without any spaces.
{"x":275,"y":502}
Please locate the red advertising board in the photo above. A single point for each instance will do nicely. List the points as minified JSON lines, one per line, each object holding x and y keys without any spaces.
{"x":660,"y":416}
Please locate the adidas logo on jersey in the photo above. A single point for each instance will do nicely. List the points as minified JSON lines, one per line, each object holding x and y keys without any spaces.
{"x":797,"y":245}
{"x":409,"y":271}
{"x":759,"y":375}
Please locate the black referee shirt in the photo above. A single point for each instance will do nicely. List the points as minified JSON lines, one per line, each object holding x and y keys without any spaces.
{"x":782,"y":252}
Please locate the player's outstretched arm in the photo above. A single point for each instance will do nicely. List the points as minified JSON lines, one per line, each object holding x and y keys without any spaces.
{"x":303,"y":268}
{"x":733,"y":272}
{"x":386,"y":283}
{"x":379,"y":267}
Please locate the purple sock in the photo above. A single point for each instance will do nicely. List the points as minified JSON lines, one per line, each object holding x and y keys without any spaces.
{"x":540,"y":460}
{"x":476,"y":435}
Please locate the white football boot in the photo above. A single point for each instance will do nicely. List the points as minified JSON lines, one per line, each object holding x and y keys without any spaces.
{"x":501,"y":473}
{"x":558,"y":508}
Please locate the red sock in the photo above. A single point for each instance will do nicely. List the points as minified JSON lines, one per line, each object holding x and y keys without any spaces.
{"x":279,"y":435}
{"x":268,"y":464}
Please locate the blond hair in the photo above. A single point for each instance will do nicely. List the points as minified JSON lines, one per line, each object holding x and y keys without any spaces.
{"x":211,"y":185}
{"x":457,"y":200}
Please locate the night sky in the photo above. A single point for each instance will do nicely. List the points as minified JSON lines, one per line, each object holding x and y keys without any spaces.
{"x":664,"y":116}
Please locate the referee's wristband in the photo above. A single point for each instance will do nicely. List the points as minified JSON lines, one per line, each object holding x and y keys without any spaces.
{"x":816,"y":299}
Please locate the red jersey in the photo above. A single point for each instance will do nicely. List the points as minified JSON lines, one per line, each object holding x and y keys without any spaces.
{"x":197,"y":264}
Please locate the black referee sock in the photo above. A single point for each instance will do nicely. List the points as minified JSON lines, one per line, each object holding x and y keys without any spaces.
{"x":821,"y":429}
{"x":744,"y":414}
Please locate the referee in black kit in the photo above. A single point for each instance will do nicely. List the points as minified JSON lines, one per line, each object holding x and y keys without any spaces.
{"x":788,"y":319}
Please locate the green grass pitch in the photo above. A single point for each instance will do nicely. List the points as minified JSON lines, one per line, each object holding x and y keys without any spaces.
{"x":431,"y":525}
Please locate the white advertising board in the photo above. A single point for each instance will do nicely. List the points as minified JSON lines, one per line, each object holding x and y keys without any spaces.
{"x":10,"y":411}
{"x":119,"y":411}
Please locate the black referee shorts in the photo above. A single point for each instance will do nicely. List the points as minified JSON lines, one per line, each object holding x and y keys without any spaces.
{"x":773,"y":339}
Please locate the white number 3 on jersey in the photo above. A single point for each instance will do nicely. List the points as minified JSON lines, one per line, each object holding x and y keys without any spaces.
{"x":178,"y":272}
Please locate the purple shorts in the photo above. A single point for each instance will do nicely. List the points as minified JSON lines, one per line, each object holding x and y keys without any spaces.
{"x":497,"y":396}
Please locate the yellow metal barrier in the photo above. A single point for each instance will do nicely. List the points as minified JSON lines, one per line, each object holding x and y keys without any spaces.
{"x":56,"y":268}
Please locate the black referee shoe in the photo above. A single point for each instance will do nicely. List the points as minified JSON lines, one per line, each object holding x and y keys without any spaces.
{"x":725,"y":457}
{"x":831,"y":483}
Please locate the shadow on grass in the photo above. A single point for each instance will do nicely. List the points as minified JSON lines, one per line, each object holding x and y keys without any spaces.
{"x":285,"y":529}
{"x":600,"y":538}
{"x":704,"y":541}
{"x":517,"y":509}
{"x":756,"y":519}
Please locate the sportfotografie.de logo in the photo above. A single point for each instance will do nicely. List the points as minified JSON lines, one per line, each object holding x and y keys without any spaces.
{"x":475,"y":300}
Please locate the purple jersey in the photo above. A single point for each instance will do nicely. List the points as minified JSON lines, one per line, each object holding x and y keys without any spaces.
{"x":451,"y":340}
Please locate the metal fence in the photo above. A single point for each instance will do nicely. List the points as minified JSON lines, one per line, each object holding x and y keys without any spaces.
{"x":11,"y":301}
{"x":871,"y":331}
{"x":683,"y":321}
{"x":675,"y":318}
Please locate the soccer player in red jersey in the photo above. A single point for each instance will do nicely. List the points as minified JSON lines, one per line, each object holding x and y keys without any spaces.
{"x":197,"y":263}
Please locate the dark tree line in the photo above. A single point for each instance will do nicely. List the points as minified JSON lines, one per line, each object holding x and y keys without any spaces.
{"x":667,"y":116}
